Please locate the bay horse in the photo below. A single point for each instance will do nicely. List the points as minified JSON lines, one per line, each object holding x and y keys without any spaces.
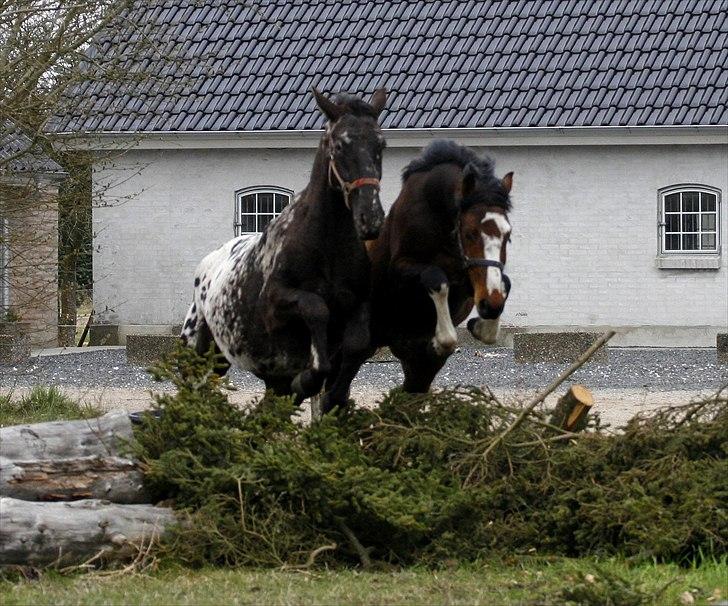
{"x":285,"y":303}
{"x":442,"y":249}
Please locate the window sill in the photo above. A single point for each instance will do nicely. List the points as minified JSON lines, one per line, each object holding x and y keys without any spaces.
{"x":688,"y":262}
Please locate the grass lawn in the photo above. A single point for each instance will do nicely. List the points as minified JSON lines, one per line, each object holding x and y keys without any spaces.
{"x":43,"y":404}
{"x":532,"y":581}
{"x":519,"y":581}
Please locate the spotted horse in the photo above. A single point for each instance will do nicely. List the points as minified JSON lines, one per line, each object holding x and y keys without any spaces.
{"x":442,"y":250}
{"x":291,"y":305}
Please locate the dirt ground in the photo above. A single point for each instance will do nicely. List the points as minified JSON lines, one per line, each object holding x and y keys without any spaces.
{"x":615,"y":406}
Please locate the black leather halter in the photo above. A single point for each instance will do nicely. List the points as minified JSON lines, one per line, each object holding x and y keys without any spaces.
{"x":470,"y":262}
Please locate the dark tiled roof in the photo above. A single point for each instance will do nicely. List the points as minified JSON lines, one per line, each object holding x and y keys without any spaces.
{"x":447,"y":63}
{"x":18,"y":154}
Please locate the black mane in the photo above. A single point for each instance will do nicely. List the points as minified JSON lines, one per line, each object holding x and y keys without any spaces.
{"x":354,"y":105}
{"x":444,"y":151}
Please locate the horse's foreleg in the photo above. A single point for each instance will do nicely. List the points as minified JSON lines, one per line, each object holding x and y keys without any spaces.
{"x":314,"y":312}
{"x":420,"y":370}
{"x":435,"y":282}
{"x":356,"y":347}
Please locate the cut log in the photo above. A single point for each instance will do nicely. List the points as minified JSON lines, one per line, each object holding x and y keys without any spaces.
{"x":111,"y":478}
{"x":572,"y":410}
{"x":103,"y":436}
{"x":38,"y":534}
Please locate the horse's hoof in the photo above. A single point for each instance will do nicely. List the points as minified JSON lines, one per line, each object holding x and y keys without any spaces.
{"x":443,"y":348}
{"x":137,"y":418}
{"x":296,"y":385}
{"x":306,"y":384}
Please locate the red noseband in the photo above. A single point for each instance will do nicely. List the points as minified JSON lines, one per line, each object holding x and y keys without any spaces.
{"x":349,"y":186}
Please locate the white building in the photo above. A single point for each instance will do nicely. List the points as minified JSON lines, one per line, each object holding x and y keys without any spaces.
{"x":611,"y":118}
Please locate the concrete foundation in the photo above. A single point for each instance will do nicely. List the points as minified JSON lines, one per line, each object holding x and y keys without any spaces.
{"x":721,"y":347}
{"x":14,"y":342}
{"x":148,"y":349}
{"x":559,"y":347}
{"x":103,"y":334}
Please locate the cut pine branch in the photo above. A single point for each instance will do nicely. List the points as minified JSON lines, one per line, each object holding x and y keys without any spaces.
{"x":580,"y":361}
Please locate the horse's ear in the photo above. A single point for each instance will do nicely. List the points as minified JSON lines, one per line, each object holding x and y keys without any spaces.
{"x":330,"y":109}
{"x":379,"y":100}
{"x":507,"y":182}
{"x":470,"y":175}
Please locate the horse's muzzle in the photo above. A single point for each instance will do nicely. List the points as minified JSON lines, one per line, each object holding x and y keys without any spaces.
{"x":367,"y":213}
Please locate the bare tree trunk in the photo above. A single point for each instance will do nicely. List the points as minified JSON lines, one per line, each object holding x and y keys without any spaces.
{"x":104,"y":436}
{"x":110,"y":478}
{"x":38,"y":534}
{"x":67,"y":336}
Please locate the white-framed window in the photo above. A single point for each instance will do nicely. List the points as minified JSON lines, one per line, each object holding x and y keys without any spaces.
{"x":689,"y":220}
{"x":255,"y":207}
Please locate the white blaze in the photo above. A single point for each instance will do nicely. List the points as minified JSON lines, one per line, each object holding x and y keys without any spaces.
{"x":445,"y":338}
{"x":491,"y":250}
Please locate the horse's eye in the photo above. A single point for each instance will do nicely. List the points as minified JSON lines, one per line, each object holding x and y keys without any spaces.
{"x":472,"y":236}
{"x":338,"y":146}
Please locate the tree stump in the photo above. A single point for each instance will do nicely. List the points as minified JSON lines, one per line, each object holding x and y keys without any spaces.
{"x":572,"y":410}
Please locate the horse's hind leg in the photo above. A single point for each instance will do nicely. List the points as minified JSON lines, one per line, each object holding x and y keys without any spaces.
{"x":197,"y":335}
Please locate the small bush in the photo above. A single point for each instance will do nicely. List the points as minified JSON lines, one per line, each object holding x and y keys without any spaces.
{"x":408,"y":481}
{"x":43,"y":404}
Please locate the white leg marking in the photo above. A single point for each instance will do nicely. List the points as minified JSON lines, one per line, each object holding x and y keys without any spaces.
{"x":445,"y":338}
{"x":486,"y":330}
{"x":315,"y":360}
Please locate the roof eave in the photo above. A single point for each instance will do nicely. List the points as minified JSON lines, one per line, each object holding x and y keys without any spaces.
{"x":404,"y":137}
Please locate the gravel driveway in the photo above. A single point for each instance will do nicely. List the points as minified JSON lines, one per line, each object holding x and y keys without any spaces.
{"x":653,"y":369}
{"x":634,"y":379}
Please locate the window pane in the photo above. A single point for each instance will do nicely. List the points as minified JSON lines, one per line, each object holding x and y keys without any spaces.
{"x":690,"y":223}
{"x":263,"y":220}
{"x":247,"y":203}
{"x":247,"y":223}
{"x":672,"y":223}
{"x":690,"y":201}
{"x":265,"y":203}
{"x":707,"y":222}
{"x":708,"y":201}
{"x":672,"y":203}
{"x":690,"y":242}
{"x":708,"y":241}
{"x":281,"y":202}
{"x":672,"y":242}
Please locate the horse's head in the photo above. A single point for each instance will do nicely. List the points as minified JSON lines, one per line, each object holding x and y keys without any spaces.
{"x":485,"y":233}
{"x":353,"y":145}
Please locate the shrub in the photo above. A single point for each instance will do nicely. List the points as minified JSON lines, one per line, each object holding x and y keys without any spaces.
{"x":408,"y":480}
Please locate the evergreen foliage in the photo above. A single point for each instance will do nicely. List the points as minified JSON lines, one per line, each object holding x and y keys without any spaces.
{"x":407,"y":481}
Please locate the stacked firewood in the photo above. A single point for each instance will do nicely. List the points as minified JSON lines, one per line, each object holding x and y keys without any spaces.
{"x":68,"y":492}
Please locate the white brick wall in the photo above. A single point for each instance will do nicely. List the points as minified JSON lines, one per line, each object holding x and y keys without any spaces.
{"x":584,"y":229}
